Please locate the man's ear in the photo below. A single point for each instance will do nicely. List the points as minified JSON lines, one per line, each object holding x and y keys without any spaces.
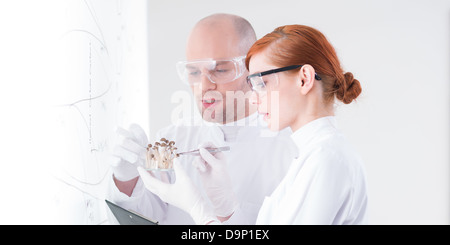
{"x":306,"y":76}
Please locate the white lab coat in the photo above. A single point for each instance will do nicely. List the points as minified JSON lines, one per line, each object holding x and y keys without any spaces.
{"x":325,"y":185}
{"x":257,"y":162}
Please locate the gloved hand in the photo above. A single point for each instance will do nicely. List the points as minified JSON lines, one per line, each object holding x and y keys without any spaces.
{"x":129,"y":152}
{"x":182,"y":194}
{"x":216,"y":180}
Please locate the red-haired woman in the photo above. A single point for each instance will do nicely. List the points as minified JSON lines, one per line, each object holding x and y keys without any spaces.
{"x":326,"y":184}
{"x":296,"y":76}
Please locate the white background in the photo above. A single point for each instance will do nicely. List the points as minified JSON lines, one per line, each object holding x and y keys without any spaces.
{"x":399,"y":50}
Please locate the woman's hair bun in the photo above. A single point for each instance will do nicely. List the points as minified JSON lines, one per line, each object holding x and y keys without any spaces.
{"x":348,"y":89}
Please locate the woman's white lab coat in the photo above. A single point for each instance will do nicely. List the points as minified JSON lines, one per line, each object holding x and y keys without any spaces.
{"x":325,"y":185}
{"x":254,"y":149}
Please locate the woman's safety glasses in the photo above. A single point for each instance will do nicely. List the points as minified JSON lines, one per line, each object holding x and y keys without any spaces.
{"x":217,"y":71}
{"x":260,"y":84}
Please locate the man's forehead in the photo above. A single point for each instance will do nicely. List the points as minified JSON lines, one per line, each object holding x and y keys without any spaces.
{"x":212,"y":43}
{"x":212,"y":50}
{"x":217,"y":58}
{"x":221,"y":60}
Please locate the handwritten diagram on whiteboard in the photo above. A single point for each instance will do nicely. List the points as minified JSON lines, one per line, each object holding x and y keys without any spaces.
{"x":92,"y":104}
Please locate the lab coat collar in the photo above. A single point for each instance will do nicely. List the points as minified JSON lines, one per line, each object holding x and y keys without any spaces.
{"x":232,"y":130}
{"x":251,"y":120}
{"x":197,"y":120}
{"x":304,"y":135}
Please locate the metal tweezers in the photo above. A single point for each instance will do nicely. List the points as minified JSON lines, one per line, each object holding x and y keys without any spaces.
{"x":210,"y":149}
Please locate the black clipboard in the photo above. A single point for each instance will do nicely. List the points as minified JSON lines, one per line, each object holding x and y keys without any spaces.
{"x":127,"y":217}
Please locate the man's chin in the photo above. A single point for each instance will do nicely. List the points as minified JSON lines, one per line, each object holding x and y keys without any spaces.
{"x":212,"y":115}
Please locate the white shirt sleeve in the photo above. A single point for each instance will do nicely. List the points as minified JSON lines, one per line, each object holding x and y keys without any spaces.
{"x":141,"y":201}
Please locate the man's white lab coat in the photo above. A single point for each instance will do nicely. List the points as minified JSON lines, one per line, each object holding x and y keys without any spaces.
{"x":257,"y":162}
{"x":325,"y":185}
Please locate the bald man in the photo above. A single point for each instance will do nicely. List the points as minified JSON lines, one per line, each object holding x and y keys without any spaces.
{"x":221,"y":37}
{"x":258,"y":160}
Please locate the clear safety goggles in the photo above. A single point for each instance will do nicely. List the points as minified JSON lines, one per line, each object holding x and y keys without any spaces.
{"x":260,"y":82}
{"x":217,"y":71}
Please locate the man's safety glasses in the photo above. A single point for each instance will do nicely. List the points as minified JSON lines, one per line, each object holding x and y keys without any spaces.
{"x":217,"y":71}
{"x":258,"y":83}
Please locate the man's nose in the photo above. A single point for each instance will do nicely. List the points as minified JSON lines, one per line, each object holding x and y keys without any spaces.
{"x":206,"y":83}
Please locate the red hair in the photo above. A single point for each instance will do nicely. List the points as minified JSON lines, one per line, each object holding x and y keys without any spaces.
{"x":300,"y":45}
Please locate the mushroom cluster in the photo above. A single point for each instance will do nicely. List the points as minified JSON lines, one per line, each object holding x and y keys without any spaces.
{"x":161,"y":155}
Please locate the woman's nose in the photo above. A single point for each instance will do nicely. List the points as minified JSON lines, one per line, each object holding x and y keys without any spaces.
{"x":254,"y":99}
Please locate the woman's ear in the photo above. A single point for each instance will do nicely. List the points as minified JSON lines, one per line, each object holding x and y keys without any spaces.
{"x":306,"y":76}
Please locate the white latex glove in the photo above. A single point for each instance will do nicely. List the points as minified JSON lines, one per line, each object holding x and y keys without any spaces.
{"x":129,"y":152}
{"x":182,"y":194}
{"x":216,"y":180}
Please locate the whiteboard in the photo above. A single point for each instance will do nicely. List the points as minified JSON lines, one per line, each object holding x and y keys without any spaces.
{"x":91,"y":56}
{"x":101,"y":91}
